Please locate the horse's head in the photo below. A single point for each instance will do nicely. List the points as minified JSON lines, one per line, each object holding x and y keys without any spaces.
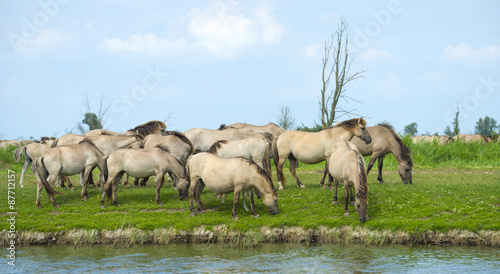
{"x":360,"y":131}
{"x":361,"y":205}
{"x":183,"y":188}
{"x":404,"y":171}
{"x":271,"y":202}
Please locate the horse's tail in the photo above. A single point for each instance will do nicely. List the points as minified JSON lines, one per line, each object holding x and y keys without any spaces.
{"x":276,"y":157}
{"x":105,"y":168}
{"x":266,"y":162}
{"x":39,"y":165}
{"x":19,"y":152}
{"x":54,"y":144}
{"x":362,"y":192}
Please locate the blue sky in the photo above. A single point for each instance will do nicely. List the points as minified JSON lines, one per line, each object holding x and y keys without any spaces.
{"x":203,"y":63}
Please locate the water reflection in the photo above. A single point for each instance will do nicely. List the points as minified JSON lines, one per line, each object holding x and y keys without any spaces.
{"x":281,"y":258}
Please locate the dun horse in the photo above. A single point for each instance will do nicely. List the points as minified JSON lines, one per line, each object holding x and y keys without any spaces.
{"x":347,"y":165}
{"x":151,"y":127}
{"x":384,"y":141}
{"x":314,"y":147}
{"x":223,"y":176}
{"x":67,"y":160}
{"x":142,"y":163}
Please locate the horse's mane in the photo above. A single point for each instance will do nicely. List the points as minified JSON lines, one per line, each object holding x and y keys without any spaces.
{"x":222,"y":127}
{"x":484,"y":139}
{"x":165,"y":149}
{"x":260,"y":170}
{"x":213,"y":149}
{"x":148,"y":128}
{"x":351,"y":123}
{"x":181,"y":136}
{"x":85,"y":140}
{"x":362,"y":193}
{"x":405,"y":151}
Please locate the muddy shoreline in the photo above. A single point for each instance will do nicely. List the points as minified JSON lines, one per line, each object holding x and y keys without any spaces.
{"x":221,"y":234}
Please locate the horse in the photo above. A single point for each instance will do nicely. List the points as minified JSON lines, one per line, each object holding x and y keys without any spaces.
{"x":314,"y":147}
{"x":151,"y":127}
{"x":31,"y":152}
{"x":467,"y":138}
{"x":441,"y":140}
{"x":202,"y":139}
{"x":271,"y":128}
{"x":347,"y":165}
{"x":176,"y":142}
{"x":68,"y":139}
{"x":142,"y":163}
{"x":67,"y":160}
{"x":254,"y":149}
{"x":223,"y":176}
{"x":384,"y":141}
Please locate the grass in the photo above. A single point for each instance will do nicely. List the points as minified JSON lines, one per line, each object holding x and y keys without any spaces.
{"x":457,"y":193}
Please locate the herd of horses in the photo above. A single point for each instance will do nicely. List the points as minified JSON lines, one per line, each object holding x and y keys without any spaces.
{"x":233,"y":158}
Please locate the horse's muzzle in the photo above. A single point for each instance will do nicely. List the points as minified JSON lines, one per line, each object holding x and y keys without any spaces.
{"x":368,"y":140}
{"x":363,"y":219}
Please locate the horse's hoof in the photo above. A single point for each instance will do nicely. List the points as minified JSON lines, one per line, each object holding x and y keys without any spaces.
{"x":160,"y":204}
{"x":103,"y":207}
{"x":335,"y":202}
{"x":72,"y":188}
{"x":40,"y":206}
{"x":302,"y":186}
{"x":192,"y":215}
{"x":256,"y":216}
{"x":56,"y":205}
{"x":22,"y":186}
{"x":382,"y":182}
{"x":330,"y":188}
{"x":63,"y":188}
{"x":84,"y":199}
{"x":323,"y":187}
{"x":347,"y":214}
{"x":280,"y":188}
{"x":235,"y":218}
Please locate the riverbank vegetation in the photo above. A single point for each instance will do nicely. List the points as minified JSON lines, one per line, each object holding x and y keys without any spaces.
{"x":454,"y":197}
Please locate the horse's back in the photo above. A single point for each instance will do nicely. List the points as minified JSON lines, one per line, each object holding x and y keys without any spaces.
{"x":343,"y":164}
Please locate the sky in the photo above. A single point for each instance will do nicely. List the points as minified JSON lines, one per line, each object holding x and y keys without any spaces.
{"x":198,"y":64}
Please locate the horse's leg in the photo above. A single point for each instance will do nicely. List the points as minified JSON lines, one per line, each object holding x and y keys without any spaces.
{"x":252,"y":203}
{"x":351,"y":191}
{"x":346,"y":196}
{"x":325,"y":172}
{"x":52,"y":180}
{"x":85,"y":174}
{"x":223,"y":196}
{"x":293,"y":166}
{"x":279,"y":172}
{"x":257,"y":192}
{"x":27,"y":162}
{"x":336,"y":183}
{"x":136,"y":181}
{"x":105,"y":188}
{"x":199,"y":189}
{"x":60,"y":179}
{"x":68,"y":180}
{"x":159,"y":183}
{"x":237,"y":191}
{"x":115,"y":187}
{"x":192,"y":195}
{"x":243,"y":198}
{"x":38,"y":192}
{"x":380,"y":166}
{"x":125,"y":181}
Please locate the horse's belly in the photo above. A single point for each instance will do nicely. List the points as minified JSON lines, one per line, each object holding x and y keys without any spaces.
{"x":219,"y":188}
{"x":140,"y":173}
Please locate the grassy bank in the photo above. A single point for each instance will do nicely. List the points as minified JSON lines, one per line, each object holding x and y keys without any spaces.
{"x":445,"y":204}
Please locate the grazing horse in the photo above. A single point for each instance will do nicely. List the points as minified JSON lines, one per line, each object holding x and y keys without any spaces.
{"x":67,"y":160}
{"x":467,"y":138}
{"x":176,"y":142}
{"x":314,"y":147}
{"x":31,"y":152}
{"x":223,"y":176}
{"x":441,"y":140}
{"x":384,"y":141}
{"x":347,"y":165}
{"x":254,"y":149}
{"x":202,"y":139}
{"x":152,"y":127}
{"x":142,"y":163}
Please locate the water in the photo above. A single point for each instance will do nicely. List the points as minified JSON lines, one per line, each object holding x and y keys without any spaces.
{"x":275,"y":258}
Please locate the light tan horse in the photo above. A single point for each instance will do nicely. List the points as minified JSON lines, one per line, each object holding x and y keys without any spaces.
{"x":347,"y":165}
{"x":31,"y":152}
{"x":68,"y":139}
{"x":68,"y":160}
{"x":272,"y":128}
{"x":314,"y":147}
{"x":142,"y":163}
{"x":441,"y":140}
{"x":223,"y":176}
{"x":384,"y":141}
{"x":202,"y":139}
{"x":254,"y":149}
{"x":467,"y":138}
{"x":151,"y":127}
{"x":176,"y":142}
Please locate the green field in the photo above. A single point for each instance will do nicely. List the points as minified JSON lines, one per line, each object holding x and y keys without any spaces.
{"x":448,"y":193}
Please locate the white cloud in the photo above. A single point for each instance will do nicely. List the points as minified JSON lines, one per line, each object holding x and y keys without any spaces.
{"x":222,"y":30}
{"x":47,"y":39}
{"x":375,"y":55}
{"x":465,"y":53}
{"x":311,"y":50}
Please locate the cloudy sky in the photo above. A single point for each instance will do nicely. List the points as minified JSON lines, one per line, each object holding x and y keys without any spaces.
{"x":203,"y":63}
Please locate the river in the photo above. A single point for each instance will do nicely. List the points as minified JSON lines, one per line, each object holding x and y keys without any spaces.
{"x":275,"y":258}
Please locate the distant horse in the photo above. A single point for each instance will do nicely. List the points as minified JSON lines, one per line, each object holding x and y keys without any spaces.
{"x":347,"y":165}
{"x":176,"y":142}
{"x":314,"y":147}
{"x":254,"y":149}
{"x":142,"y":163}
{"x":202,"y":139}
{"x":467,"y":138}
{"x":67,"y":160}
{"x":441,"y":140}
{"x":152,"y":127}
{"x":31,"y":152}
{"x":272,"y":128}
{"x":223,"y":176}
{"x":384,"y":141}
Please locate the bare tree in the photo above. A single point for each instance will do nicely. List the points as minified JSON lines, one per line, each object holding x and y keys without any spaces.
{"x":94,"y":121}
{"x":336,"y":63}
{"x":285,"y":119}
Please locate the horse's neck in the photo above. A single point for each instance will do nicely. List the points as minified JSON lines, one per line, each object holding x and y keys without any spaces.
{"x":341,"y":134}
{"x":396,"y":149}
{"x":176,"y":168}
